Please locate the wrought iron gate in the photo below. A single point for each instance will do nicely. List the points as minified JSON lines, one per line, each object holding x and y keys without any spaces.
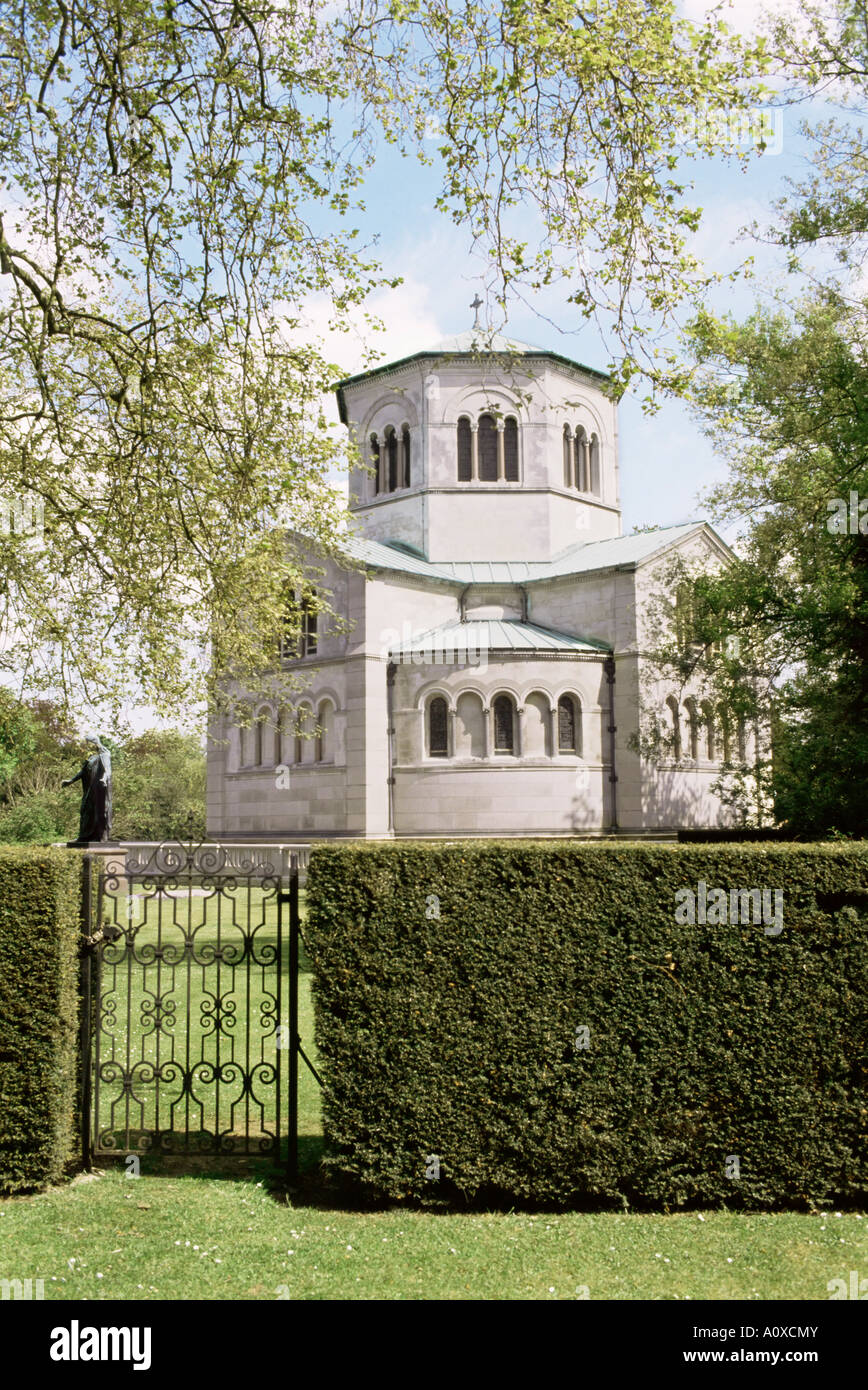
{"x":190,"y":1002}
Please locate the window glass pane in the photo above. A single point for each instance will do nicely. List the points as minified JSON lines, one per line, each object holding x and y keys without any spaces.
{"x":405,"y":441}
{"x":438,"y":743}
{"x":464,"y":468}
{"x":289,"y":638}
{"x":510,"y":451}
{"x":566,"y":725}
{"x":308,"y":628}
{"x":392,"y":459}
{"x":503,"y":725}
{"x":487,"y":439}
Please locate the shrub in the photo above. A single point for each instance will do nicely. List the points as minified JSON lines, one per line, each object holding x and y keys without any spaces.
{"x":722,"y":1064}
{"x":39,"y":936}
{"x":30,"y":821}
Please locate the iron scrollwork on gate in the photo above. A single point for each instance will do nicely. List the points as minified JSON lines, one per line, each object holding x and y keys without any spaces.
{"x":191,"y":979}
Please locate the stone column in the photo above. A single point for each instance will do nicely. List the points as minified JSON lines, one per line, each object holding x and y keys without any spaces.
{"x":569,"y":470}
{"x":488,"y":729}
{"x":519,"y":733}
{"x":474,"y":450}
{"x":501,"y":467}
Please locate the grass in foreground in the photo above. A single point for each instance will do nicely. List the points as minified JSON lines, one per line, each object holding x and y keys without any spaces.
{"x":191,"y":1237}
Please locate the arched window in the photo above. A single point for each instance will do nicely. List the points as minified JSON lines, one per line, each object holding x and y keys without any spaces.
{"x":305,"y":744}
{"x":693,"y":725}
{"x":568,"y":725}
{"x":299,"y":626}
{"x":594,"y":451}
{"x":375,"y":462}
{"x":487,"y":444}
{"x":510,"y":449}
{"x":580,"y":466}
{"x":324,"y":733}
{"x":391,"y":468}
{"x":710,"y":731}
{"x":465,"y":451}
{"x":568,"y":457}
{"x":266,"y":738}
{"x":725,"y":733}
{"x":405,"y":454}
{"x":308,"y":625}
{"x":672,"y":705}
{"x":438,"y":727}
{"x":289,"y":635}
{"x":504,"y":724}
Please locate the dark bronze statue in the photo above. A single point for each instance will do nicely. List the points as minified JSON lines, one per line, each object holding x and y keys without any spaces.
{"x":95,"y":821}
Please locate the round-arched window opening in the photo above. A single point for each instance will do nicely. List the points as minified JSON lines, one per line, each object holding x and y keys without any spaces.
{"x":487,"y":444}
{"x":504,"y":724}
{"x":568,"y":725}
{"x":438,"y":727}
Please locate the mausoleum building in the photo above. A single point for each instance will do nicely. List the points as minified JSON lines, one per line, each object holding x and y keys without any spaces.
{"x":488,"y":670}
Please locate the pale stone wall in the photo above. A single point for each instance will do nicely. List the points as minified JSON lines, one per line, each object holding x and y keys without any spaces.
{"x":476,"y":790}
{"x":599,"y":606}
{"x":496,"y":800}
{"x":533,"y":518}
{"x":276,"y":794}
{"x":675,"y":793}
{"x":348,"y":793}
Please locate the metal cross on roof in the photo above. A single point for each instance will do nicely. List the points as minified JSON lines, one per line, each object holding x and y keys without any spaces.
{"x":476,"y":306}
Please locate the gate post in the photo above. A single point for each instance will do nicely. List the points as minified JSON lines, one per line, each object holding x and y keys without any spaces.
{"x":292,"y":1145}
{"x":86,"y":1004}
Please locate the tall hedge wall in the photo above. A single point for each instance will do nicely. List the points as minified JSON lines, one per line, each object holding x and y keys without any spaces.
{"x":721,"y":1063}
{"x":39,"y":936}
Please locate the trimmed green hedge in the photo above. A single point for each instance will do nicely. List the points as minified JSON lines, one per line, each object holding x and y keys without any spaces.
{"x":722,"y":1064}
{"x":39,"y":953}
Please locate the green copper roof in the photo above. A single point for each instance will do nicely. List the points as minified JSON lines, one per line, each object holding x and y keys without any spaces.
{"x":473,"y":344}
{"x":577,"y":559}
{"x":456,"y":641}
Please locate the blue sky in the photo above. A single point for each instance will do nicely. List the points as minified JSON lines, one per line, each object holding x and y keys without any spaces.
{"x":666,"y":461}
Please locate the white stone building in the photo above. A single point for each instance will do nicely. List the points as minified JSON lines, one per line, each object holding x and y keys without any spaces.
{"x":488,"y":682}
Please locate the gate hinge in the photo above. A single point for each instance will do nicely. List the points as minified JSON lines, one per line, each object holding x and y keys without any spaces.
{"x":107,"y":932}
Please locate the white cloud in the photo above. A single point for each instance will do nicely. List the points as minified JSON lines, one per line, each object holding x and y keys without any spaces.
{"x":745,"y":16}
{"x":410,"y":325}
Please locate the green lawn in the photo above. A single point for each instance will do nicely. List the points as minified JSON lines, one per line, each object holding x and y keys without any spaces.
{"x":212,"y":1238}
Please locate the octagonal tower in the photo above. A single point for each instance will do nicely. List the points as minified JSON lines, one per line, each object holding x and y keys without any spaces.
{"x":483,"y":447}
